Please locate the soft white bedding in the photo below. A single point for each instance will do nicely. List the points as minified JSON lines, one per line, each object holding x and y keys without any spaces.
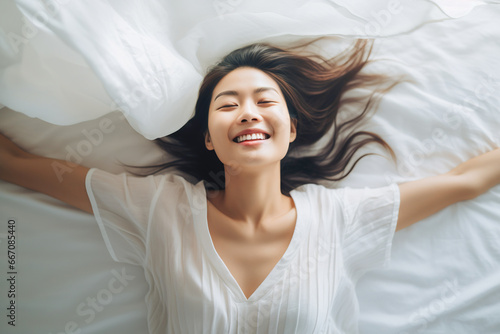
{"x":149,"y":56}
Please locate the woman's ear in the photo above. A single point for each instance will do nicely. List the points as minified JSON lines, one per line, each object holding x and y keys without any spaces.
{"x":293,"y":129}
{"x":208,"y":141}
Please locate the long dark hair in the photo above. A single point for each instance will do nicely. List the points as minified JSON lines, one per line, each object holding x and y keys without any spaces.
{"x":313,"y":87}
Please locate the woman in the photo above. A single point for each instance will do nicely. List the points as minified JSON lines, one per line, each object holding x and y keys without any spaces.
{"x":257,"y":246}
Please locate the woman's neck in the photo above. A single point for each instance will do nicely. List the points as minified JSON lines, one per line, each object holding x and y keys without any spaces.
{"x":254,"y":197}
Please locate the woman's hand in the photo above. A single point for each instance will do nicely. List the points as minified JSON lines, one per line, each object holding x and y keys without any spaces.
{"x":40,"y":174}
{"x":422,"y":198}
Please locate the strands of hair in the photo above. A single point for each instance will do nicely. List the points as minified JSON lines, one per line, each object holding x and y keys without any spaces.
{"x":314,"y":88}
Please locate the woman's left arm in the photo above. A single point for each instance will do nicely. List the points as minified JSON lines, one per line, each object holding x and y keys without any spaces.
{"x":422,"y":198}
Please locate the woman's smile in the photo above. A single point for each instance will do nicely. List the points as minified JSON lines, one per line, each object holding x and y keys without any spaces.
{"x":251,"y":137}
{"x":252,"y":142}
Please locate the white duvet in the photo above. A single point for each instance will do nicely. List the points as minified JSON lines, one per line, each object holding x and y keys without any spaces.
{"x":65,"y":65}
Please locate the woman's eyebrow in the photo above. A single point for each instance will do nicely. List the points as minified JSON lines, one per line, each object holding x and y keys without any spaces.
{"x":235,"y":93}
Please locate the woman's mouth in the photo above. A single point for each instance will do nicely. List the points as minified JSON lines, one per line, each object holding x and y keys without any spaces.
{"x":251,"y":137}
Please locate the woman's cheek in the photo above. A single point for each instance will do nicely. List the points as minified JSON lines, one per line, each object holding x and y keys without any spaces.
{"x":219,"y":135}
{"x":282,"y":126}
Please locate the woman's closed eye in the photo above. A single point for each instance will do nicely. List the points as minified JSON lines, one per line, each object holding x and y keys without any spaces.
{"x":267,"y":102}
{"x":227,"y":106}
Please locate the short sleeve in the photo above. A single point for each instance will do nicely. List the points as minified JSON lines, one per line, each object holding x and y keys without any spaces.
{"x":370,"y":216}
{"x":122,"y":207}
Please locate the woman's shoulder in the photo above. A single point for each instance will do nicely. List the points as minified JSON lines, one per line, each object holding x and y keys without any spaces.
{"x":317,"y":193}
{"x":331,"y":187}
{"x":316,"y":188}
{"x":168,"y":181}
{"x":342,"y":193}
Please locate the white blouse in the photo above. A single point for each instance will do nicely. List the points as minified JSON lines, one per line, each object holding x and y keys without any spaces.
{"x":160,"y":223}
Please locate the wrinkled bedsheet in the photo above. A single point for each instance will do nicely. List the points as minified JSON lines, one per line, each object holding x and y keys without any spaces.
{"x":91,"y":82}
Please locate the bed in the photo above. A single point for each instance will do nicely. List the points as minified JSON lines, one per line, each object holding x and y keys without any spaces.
{"x":93,"y":82}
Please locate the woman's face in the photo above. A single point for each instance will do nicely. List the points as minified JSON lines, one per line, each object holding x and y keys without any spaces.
{"x":248,"y":122}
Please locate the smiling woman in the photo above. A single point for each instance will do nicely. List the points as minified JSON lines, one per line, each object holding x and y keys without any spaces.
{"x":235,"y":121}
{"x":253,"y":244}
{"x":310,"y":88}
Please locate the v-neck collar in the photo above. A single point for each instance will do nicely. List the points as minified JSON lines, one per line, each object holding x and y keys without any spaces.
{"x":200,"y":221}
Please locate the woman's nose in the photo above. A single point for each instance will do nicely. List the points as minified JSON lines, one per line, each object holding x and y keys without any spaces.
{"x":249,"y":114}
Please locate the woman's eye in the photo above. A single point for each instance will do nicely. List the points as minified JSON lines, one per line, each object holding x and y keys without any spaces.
{"x":228,"y":106}
{"x":266,"y":102}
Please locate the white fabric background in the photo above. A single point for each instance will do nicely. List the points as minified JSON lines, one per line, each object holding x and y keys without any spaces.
{"x":147,"y":58}
{"x":445,"y":270}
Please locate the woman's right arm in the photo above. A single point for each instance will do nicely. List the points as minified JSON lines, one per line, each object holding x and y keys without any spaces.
{"x":44,"y":175}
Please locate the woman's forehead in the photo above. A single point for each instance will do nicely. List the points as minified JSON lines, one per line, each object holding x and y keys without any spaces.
{"x":246,"y":80}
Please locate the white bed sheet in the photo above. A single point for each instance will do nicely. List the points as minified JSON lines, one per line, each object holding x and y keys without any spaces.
{"x":444,"y":273}
{"x":147,"y":58}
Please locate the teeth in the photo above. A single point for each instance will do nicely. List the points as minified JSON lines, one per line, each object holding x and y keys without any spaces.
{"x":253,"y":136}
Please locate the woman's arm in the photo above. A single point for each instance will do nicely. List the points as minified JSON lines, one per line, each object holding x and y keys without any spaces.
{"x":422,"y":198}
{"x":44,"y":175}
